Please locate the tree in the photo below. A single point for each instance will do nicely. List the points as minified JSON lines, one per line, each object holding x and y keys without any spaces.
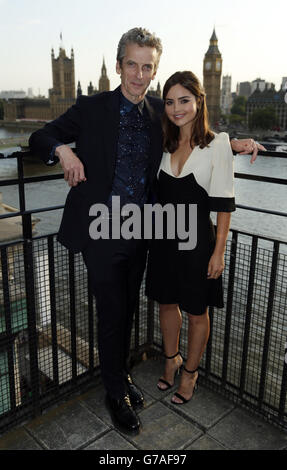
{"x":263,"y":118}
{"x":239,"y":106}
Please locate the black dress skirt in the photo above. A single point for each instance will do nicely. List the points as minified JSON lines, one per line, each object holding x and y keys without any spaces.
{"x":177,"y":276}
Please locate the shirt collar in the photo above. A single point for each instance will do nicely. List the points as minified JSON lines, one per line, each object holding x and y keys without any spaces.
{"x":127,"y":105}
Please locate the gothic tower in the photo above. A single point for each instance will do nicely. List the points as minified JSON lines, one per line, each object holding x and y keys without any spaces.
{"x":212,"y":67}
{"x":104,"y":82}
{"x":63,"y":71}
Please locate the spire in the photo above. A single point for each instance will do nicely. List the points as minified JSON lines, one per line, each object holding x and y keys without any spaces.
{"x":213,"y":48}
{"x":79,"y":89}
{"x":213,"y":37}
{"x":104,"y":82}
{"x":61,"y":42}
{"x":104,"y":69}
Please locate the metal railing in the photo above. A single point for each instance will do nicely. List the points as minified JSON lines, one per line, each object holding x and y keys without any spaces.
{"x":47,"y":320}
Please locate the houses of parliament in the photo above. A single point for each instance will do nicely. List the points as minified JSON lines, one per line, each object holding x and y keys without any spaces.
{"x":63,"y":93}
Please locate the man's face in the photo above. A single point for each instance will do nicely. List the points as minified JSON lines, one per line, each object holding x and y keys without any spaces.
{"x":137,"y":70}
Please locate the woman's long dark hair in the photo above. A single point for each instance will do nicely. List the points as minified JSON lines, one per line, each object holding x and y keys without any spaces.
{"x":201,"y":135}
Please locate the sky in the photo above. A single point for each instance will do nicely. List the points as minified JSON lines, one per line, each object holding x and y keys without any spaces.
{"x":251,"y":38}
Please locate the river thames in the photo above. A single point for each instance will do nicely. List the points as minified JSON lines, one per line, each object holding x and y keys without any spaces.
{"x":250,"y":193}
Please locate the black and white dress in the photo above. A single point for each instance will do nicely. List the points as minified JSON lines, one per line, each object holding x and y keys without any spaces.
{"x":180,"y":276}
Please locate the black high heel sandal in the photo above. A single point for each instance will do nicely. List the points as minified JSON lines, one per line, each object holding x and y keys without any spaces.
{"x":165,"y":382}
{"x":178,"y":395}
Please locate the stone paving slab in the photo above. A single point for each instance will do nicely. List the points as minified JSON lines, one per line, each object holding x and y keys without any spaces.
{"x":205,"y":407}
{"x":18,"y":439}
{"x":207,"y":422}
{"x":162,"y":429}
{"x":206,"y":442}
{"x":111,"y":441}
{"x":70,"y":426}
{"x":241,"y":430}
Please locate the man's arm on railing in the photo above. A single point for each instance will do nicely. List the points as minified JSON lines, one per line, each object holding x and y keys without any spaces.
{"x":74,"y":172}
{"x":49,"y":143}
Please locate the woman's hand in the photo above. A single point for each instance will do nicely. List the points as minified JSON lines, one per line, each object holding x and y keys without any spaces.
{"x":215,"y":266}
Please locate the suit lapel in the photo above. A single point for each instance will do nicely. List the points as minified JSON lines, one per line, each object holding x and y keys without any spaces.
{"x":156,"y":138}
{"x":111,"y":129}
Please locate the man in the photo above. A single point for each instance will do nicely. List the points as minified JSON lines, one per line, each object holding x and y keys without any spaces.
{"x":119,"y":147}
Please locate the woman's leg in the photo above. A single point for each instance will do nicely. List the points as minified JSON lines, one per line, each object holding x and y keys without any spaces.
{"x":198,"y":333}
{"x":170,"y":323}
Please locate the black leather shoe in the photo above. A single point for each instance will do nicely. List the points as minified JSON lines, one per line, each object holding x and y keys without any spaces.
{"x":135,"y":394}
{"x":122,"y":413}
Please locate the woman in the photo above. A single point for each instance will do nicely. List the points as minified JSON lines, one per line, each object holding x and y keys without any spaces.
{"x":196,"y":168}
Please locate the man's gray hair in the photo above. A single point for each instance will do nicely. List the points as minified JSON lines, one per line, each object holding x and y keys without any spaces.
{"x":142,"y":37}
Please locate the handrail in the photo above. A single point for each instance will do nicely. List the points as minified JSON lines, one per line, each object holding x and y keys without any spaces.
{"x":26,"y":214}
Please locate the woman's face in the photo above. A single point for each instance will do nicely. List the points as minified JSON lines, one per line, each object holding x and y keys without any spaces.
{"x":180,"y":106}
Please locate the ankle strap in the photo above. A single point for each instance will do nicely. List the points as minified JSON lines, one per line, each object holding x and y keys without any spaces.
{"x":190,"y":371}
{"x":171,"y":357}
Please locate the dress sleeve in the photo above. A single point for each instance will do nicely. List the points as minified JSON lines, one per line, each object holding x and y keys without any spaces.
{"x":221,"y":193}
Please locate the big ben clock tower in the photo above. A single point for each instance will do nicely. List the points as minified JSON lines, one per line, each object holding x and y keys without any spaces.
{"x":212,"y":66}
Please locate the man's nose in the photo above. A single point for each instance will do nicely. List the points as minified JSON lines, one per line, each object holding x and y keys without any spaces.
{"x":139,"y":72}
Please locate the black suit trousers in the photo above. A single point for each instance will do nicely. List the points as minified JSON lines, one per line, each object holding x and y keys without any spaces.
{"x":115,"y":269}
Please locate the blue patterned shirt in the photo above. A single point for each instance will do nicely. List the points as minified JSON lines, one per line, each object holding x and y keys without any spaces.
{"x":130,"y":178}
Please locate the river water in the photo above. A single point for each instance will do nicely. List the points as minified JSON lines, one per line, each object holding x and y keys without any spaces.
{"x":6,"y":133}
{"x":250,"y":193}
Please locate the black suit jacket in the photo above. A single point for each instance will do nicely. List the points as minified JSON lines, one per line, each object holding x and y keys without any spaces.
{"x":93,"y":123}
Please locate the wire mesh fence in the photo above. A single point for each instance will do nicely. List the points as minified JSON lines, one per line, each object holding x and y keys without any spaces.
{"x":246,"y":353}
{"x":48,"y":326}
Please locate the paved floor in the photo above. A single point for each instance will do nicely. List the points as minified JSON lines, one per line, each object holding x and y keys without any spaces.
{"x":207,"y":422}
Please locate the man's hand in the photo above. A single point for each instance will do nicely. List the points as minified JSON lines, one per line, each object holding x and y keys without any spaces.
{"x":246,"y":147}
{"x":71,"y":164}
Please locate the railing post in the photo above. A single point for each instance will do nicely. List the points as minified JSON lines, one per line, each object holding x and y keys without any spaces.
{"x":232,"y":264}
{"x":91,"y":328}
{"x":32,"y":326}
{"x":73,"y":315}
{"x":282,"y":403}
{"x":268,"y":324}
{"x":53,"y":310}
{"x":248,"y":313}
{"x":8,"y":333}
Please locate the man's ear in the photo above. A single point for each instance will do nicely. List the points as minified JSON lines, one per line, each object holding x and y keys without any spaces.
{"x":118,"y":67}
{"x":154,"y":74}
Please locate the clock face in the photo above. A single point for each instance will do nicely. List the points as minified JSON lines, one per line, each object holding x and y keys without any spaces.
{"x":218,"y":66}
{"x":207,"y":65}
